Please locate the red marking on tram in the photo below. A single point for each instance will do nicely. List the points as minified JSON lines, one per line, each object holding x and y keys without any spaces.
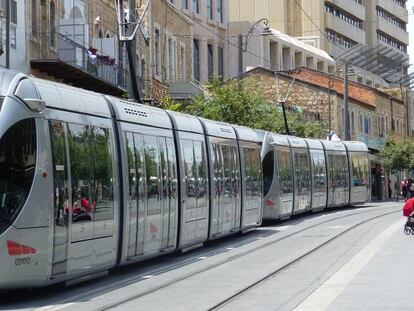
{"x":270,"y":203}
{"x":16,"y":249}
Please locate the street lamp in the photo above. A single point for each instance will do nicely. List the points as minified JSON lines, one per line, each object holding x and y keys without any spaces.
{"x":243,"y":43}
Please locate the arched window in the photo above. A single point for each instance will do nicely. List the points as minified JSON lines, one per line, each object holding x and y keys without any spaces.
{"x":361,"y":127}
{"x":52,"y":23}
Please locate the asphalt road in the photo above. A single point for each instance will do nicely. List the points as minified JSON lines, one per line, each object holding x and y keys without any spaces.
{"x":348,"y":259}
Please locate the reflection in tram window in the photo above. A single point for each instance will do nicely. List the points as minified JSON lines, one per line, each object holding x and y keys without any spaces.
{"x":200,"y":162}
{"x":60,"y":179}
{"x":17,"y":169}
{"x":81,"y":173}
{"x":152,"y":163}
{"x":102,"y":192}
{"x":268,"y":168}
{"x":284,"y":165}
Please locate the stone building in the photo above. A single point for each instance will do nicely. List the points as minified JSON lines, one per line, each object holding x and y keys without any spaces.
{"x":374,"y":114}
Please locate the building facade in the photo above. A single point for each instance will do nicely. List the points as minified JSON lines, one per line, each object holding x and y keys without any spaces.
{"x":76,"y":42}
{"x":276,"y":50}
{"x":16,"y":35}
{"x":335,"y":25}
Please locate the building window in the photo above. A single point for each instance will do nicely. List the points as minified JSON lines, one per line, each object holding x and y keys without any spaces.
{"x":52,"y":23}
{"x":335,"y":11}
{"x":381,"y":36}
{"x":34,"y":17}
{"x":361,"y":126}
{"x":13,"y":12}
{"x":182,"y":62}
{"x":339,"y":39}
{"x":196,"y":59}
{"x":210,"y":61}
{"x":220,"y":18}
{"x":157,"y":52}
{"x":196,"y":6}
{"x":391,"y":18}
{"x":171,"y":59}
{"x":209,"y":9}
{"x":352,"y":121}
{"x":184,"y":4}
{"x":220,"y":57}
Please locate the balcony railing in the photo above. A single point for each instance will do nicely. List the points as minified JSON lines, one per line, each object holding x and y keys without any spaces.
{"x":101,"y":67}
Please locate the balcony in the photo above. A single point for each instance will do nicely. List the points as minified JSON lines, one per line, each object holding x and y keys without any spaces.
{"x":72,"y":63}
{"x":351,"y":7}
{"x":372,"y":142}
{"x":394,"y":8}
{"x":346,"y":29}
{"x":392,"y":30}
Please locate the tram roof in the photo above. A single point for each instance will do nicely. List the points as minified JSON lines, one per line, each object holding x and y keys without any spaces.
{"x":296,"y":142}
{"x":62,"y":96}
{"x":314,"y":144}
{"x":218,"y":129}
{"x":185,"y":122}
{"x":248,"y":134}
{"x":333,"y":145}
{"x":355,"y":146}
{"x":281,"y":140}
{"x":129,"y":111}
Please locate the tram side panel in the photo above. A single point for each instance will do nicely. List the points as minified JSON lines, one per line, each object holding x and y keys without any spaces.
{"x":25,"y":197}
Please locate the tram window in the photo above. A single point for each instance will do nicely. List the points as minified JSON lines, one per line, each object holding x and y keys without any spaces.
{"x":60,"y":179}
{"x":102,"y":190}
{"x":248,"y":173}
{"x":81,"y":173}
{"x":201,"y":183}
{"x":268,"y":170}
{"x":17,"y":169}
{"x":132,"y":170}
{"x":152,"y":164}
{"x":217,"y":165}
{"x":227,"y":170}
{"x":355,"y":170}
{"x":1,"y":101}
{"x":284,"y":164}
{"x":172,"y":166}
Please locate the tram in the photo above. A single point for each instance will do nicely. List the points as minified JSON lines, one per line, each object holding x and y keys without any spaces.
{"x":310,"y":175}
{"x":89,"y":182}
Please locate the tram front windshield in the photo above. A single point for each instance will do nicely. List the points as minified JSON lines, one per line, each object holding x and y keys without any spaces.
{"x":17,"y":169}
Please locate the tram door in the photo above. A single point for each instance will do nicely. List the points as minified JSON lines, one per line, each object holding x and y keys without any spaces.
{"x":226,"y":207}
{"x":61,"y":198}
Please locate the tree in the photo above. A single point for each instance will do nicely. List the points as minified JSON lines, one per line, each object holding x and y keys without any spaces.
{"x":396,"y":155}
{"x":242,"y":102}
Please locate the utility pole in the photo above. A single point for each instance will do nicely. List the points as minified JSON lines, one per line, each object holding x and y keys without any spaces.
{"x":131,"y":47}
{"x":329,"y":103}
{"x":283,"y":101}
{"x":8,"y":34}
{"x":240,"y":54}
{"x":346,"y":112}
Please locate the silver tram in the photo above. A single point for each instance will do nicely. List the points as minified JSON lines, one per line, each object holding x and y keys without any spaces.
{"x":302,"y":175}
{"x":89,"y":182}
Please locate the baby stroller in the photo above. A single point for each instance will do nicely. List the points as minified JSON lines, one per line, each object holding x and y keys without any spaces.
{"x":408,"y":211}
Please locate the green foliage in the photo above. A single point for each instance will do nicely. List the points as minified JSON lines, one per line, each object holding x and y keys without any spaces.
{"x":242,"y":102}
{"x":397,"y":154}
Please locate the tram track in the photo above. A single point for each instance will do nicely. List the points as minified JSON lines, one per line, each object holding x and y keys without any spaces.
{"x":272,"y":274}
{"x":73,"y":300}
{"x":247,"y":252}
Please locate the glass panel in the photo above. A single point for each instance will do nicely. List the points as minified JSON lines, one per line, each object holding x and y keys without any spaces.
{"x":268,"y":168}
{"x":172,"y":188}
{"x":17,"y":169}
{"x":60,"y":179}
{"x":133,"y":192}
{"x":103,"y":202}
{"x":81,"y":171}
{"x":189,"y":172}
{"x":228,"y":193}
{"x":201,"y":183}
{"x":60,"y":196}
{"x":284,"y":164}
{"x":152,"y":164}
